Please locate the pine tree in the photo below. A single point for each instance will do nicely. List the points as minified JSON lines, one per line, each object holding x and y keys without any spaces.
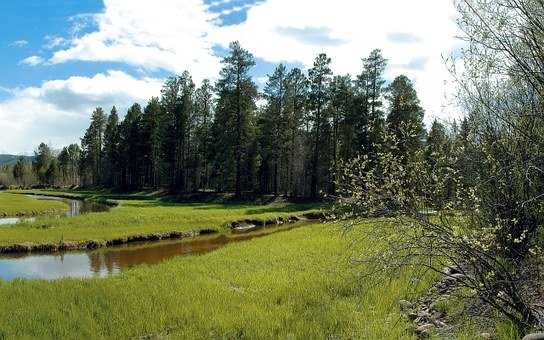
{"x":151,"y":142}
{"x":273,"y":125}
{"x":130,"y":148}
{"x":111,"y":150}
{"x":177,"y":102}
{"x":296,"y":144}
{"x":369,"y":117}
{"x":233,"y":125}
{"x":91,"y":145}
{"x":341,"y":93}
{"x":319,"y":77}
{"x":43,"y":158}
{"x":405,"y":119}
{"x":20,"y":170}
{"x":204,"y":118}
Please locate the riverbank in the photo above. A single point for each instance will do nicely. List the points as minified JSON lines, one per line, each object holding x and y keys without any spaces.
{"x":16,"y":205}
{"x":137,"y":219}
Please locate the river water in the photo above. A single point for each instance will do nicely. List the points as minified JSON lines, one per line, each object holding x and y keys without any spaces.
{"x":110,"y":261}
{"x":75,"y":208}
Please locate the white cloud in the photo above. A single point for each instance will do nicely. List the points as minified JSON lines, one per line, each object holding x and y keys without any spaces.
{"x":32,"y":61}
{"x":53,"y":41}
{"x":58,"y":111}
{"x":174,"y":36}
{"x":19,"y":43}
{"x":236,"y":9}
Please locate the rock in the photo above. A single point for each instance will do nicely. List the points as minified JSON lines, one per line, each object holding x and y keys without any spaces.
{"x":424,"y":314}
{"x":451,"y":270}
{"x":486,"y":336}
{"x":440,"y":324}
{"x":458,"y":276}
{"x":425,"y":329}
{"x":534,"y":336}
{"x":244,"y":227}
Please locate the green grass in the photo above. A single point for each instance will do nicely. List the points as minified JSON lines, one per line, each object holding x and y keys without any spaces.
{"x":295,"y":284}
{"x":141,"y":216}
{"x":21,"y":205}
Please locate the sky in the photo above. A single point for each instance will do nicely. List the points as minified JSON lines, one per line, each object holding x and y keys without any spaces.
{"x":62,"y":58}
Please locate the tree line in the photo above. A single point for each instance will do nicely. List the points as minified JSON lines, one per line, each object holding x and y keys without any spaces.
{"x":290,"y":139}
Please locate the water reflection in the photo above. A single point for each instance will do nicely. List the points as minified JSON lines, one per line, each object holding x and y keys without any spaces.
{"x":15,"y":220}
{"x":110,"y":261}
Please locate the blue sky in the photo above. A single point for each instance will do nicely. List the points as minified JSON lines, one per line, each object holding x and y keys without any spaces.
{"x":61,"y":58}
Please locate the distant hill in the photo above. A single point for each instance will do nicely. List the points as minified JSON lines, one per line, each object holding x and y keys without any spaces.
{"x":11,"y":159}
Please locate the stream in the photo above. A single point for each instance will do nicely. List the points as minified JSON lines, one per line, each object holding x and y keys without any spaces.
{"x":110,"y":261}
{"x":75,"y":208}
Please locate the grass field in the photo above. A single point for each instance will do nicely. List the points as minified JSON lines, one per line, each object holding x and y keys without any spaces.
{"x":295,"y":284}
{"x":140,"y":216}
{"x":21,"y":205}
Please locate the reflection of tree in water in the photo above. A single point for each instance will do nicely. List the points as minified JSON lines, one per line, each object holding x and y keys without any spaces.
{"x":113,"y":260}
{"x":100,"y":261}
{"x":109,"y":261}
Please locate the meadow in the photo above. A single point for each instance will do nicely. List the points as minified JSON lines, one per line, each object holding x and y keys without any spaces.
{"x":138,"y":215}
{"x":295,"y":284}
{"x":21,"y":205}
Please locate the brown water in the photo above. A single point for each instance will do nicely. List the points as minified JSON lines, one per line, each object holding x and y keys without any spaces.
{"x":109,"y":261}
{"x":75,"y":208}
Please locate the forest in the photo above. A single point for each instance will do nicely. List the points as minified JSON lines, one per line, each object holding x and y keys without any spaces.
{"x":291,"y":139}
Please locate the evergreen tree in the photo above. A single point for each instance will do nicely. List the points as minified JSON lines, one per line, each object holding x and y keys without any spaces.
{"x":111,"y":150}
{"x":368,"y":117}
{"x":273,"y":125}
{"x":20,"y":170}
{"x":296,"y":144}
{"x":91,"y":145}
{"x":52,"y":173}
{"x":151,"y":140}
{"x":177,"y":102}
{"x":130,"y":148}
{"x":340,"y":108}
{"x":405,"y":119}
{"x":233,"y":126}
{"x":43,"y":157}
{"x":319,"y":77}
{"x":204,"y":118}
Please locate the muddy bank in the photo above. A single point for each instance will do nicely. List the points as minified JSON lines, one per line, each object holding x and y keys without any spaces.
{"x":172,"y":235}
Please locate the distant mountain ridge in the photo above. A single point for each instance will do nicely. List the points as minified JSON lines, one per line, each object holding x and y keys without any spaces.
{"x":11,"y":159}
